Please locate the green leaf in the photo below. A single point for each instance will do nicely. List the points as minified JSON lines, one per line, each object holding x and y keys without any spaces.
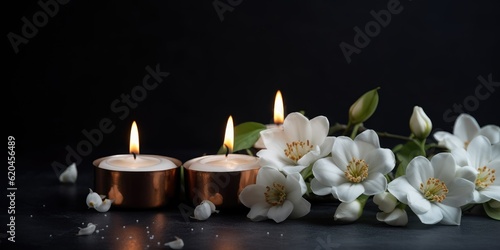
{"x":493,"y":213}
{"x":245,"y":136}
{"x":404,"y":154}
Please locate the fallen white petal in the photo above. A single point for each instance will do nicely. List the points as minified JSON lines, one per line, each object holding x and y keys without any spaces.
{"x":202,"y":211}
{"x":87,"y":230}
{"x":93,"y":199}
{"x":176,"y":244}
{"x":105,"y":205}
{"x":69,"y":175}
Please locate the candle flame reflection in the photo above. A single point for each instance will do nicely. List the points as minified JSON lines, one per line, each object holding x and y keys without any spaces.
{"x":229,"y":136}
{"x":279,"y":112}
{"x":134,"y":139}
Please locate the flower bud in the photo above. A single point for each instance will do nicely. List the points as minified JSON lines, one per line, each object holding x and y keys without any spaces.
{"x":386,"y":201}
{"x":420,"y":124}
{"x":397,"y":217}
{"x":364,"y":107}
{"x":348,"y":211}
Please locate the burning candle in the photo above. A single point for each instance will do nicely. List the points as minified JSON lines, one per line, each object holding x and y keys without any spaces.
{"x":135,"y":180}
{"x":278,"y":117}
{"x":220,"y":178}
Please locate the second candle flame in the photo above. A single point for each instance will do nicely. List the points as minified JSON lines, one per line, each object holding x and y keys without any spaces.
{"x":134,"y":139}
{"x":229,"y":136}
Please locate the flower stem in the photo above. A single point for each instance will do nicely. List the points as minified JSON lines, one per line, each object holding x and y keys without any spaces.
{"x":355,"y":130}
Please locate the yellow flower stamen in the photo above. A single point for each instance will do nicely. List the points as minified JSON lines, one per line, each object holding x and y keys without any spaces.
{"x":275,"y":195}
{"x":485,"y":177}
{"x":296,"y":149}
{"x":434,"y":189}
{"x":357,"y":170}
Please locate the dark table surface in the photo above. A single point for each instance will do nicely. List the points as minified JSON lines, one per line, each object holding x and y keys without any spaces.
{"x":48,"y":214}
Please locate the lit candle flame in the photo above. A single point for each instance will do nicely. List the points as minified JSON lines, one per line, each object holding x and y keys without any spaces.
{"x":134,"y":139}
{"x":229,"y":136}
{"x":279,"y":113}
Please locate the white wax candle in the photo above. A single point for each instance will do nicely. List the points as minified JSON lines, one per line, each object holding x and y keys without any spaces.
{"x":223,"y":163}
{"x":142,"y":163}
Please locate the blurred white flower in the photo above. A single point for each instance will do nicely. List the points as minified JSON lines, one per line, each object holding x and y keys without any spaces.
{"x":356,"y":167}
{"x":87,"y":230}
{"x":274,"y":196}
{"x":480,"y":156}
{"x":105,"y":205}
{"x":93,"y":199}
{"x":204,"y":210}
{"x":432,"y":190}
{"x":465,"y":129}
{"x":178,"y":243}
{"x":420,"y":124}
{"x":385,"y":201}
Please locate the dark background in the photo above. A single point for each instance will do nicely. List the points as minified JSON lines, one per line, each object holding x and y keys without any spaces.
{"x":64,"y":80}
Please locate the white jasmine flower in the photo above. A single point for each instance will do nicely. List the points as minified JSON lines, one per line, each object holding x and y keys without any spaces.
{"x":105,"y":205}
{"x":178,"y":243}
{"x":348,"y":211}
{"x":297,"y":144}
{"x":479,"y":156}
{"x":274,"y":196}
{"x":69,"y":175}
{"x":464,"y":130}
{"x":385,"y":201}
{"x":397,"y":217}
{"x":356,"y":167}
{"x":87,"y":230}
{"x":432,"y":190}
{"x":93,"y":199}
{"x":420,"y":124}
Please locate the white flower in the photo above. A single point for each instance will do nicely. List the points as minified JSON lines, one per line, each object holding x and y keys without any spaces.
{"x":356,"y":167}
{"x":105,"y":205}
{"x":274,"y":196}
{"x":93,"y":199}
{"x":432,"y":190}
{"x":178,"y":243}
{"x":479,"y":156}
{"x":464,"y":130}
{"x":69,"y":175}
{"x":397,"y":217}
{"x":299,"y":143}
{"x":420,"y":124}
{"x":385,"y":201}
{"x":87,"y":230}
{"x":348,"y":211}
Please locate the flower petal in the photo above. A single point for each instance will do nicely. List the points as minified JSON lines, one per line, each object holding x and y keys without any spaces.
{"x":399,"y":187}
{"x":292,"y":169}
{"x":381,"y":160}
{"x":461,"y":156}
{"x":297,"y":127}
{"x":417,"y":203}
{"x":301,"y":207}
{"x":432,"y":216}
{"x":492,"y":192}
{"x":479,"y":150}
{"x":466,"y":127}
{"x":274,"y":139}
{"x":375,"y":183}
{"x":320,"y":127}
{"x":368,"y":136}
{"x":302,"y":184}
{"x":344,"y":150}
{"x":270,"y":158}
{"x":319,"y":188}
{"x":451,"y":215}
{"x":440,"y":135}
{"x":326,"y":172}
{"x":418,"y":171}
{"x":348,"y":192}
{"x":259,"y":211}
{"x":267,"y":176}
{"x":252,"y":194}
{"x":280,"y":213}
{"x":310,"y":157}
{"x":495,"y":152}
{"x":459,"y":193}
{"x":444,"y":167}
{"x":327,"y":146}
{"x":492,"y":132}
{"x":452,"y":142}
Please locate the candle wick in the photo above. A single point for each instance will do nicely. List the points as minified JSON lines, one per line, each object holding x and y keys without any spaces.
{"x":227,"y":149}
{"x":135,"y":156}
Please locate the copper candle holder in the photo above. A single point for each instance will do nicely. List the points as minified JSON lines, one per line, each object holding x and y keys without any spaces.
{"x":137,"y":189}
